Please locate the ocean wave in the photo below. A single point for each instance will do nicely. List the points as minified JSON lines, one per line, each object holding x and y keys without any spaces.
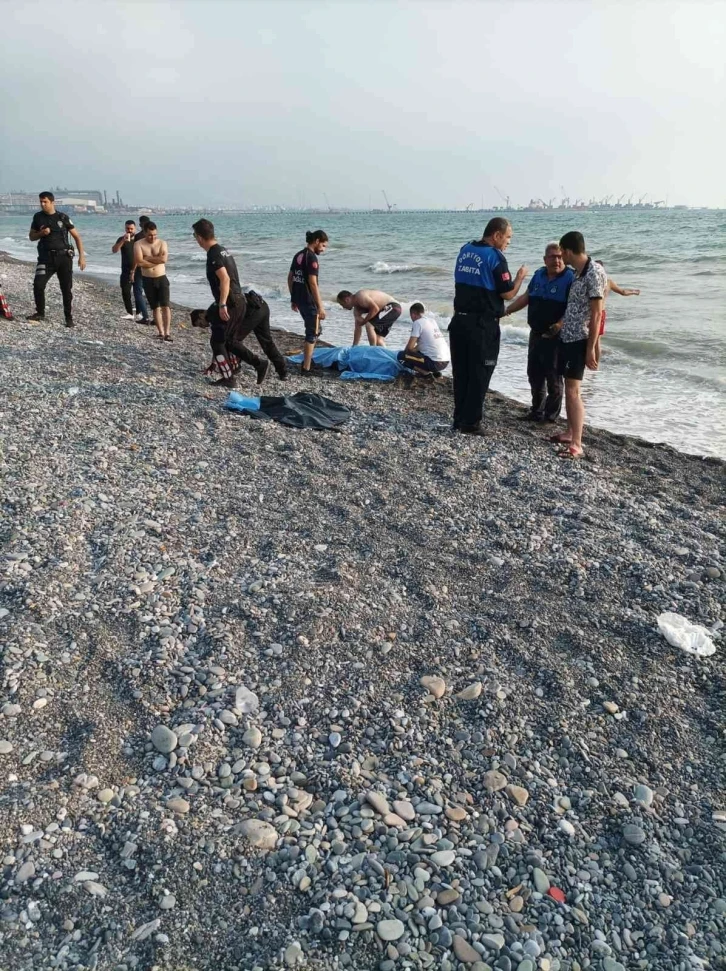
{"x":381,"y":267}
{"x":514,"y":334}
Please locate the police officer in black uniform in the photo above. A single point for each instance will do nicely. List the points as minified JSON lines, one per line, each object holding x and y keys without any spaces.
{"x":226,"y":315}
{"x":51,"y":230}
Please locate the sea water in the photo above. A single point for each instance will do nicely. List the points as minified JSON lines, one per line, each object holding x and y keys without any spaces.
{"x":663,"y":370}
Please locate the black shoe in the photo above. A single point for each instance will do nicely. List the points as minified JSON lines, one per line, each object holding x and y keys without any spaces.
{"x":551,"y":421}
{"x":531,"y":416}
{"x":262,"y":369}
{"x":69,"y":322}
{"x":306,"y":372}
{"x":225,"y":383}
{"x":471,"y":430}
{"x":282,"y":375}
{"x":38,"y":318}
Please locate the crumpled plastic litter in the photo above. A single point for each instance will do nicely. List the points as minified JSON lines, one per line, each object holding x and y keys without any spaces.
{"x":690,"y":637}
{"x":246,"y":701}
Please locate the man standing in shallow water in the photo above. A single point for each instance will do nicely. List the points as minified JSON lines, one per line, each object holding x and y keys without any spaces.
{"x":151,"y":254}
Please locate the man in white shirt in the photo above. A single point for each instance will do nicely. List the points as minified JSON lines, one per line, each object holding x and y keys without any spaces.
{"x":427,"y":351}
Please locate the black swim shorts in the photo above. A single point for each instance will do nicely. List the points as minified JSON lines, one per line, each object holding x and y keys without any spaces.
{"x":313,"y":330}
{"x":156,"y":289}
{"x":386,"y":318}
{"x":571,"y":359}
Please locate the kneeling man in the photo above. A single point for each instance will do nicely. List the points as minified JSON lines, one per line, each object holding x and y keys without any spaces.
{"x":427,"y":351}
{"x":373,"y":310}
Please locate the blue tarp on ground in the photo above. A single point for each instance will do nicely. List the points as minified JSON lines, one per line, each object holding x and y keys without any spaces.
{"x":356,"y":363}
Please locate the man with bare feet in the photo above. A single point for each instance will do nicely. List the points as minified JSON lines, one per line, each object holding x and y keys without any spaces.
{"x":151,"y":254}
{"x":579,"y":335}
{"x":374,"y":311}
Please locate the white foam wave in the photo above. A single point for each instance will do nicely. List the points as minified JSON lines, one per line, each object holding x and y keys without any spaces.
{"x":382,"y":267}
{"x":512,"y":334}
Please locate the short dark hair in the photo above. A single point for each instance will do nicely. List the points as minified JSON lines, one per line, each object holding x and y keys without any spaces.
{"x":343,"y":295}
{"x":497,"y":224}
{"x":574,"y":242}
{"x":129,"y":222}
{"x":143,"y":220}
{"x":316,"y":236}
{"x":204,"y":229}
{"x":149,"y":225}
{"x":417,"y":308}
{"x":46,"y":195}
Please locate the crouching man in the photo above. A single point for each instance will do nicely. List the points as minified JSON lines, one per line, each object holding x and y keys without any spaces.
{"x":426,"y":351}
{"x":226,"y":315}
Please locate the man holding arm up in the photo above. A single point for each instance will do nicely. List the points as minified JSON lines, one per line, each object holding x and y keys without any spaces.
{"x":579,"y":335}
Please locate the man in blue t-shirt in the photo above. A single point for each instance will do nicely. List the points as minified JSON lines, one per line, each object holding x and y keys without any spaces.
{"x":546,"y":300}
{"x":483,"y":282}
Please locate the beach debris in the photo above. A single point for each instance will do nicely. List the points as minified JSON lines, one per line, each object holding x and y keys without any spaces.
{"x":683,"y":633}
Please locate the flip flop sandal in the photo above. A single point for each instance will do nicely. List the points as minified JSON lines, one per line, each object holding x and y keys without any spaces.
{"x":572,"y":452}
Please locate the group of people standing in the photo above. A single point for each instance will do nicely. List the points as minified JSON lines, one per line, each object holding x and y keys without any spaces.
{"x":565,"y":302}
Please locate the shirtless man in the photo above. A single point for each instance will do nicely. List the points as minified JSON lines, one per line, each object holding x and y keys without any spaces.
{"x":373,"y":310}
{"x":151,"y":254}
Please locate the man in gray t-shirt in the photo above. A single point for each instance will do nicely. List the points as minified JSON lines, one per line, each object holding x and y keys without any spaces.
{"x":579,"y":334}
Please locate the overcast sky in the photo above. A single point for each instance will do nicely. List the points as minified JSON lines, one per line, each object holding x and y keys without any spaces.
{"x":216,"y":103}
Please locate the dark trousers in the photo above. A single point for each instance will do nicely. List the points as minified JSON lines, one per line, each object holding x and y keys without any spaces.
{"x":257,"y":321}
{"x":542,"y":374}
{"x":61,"y":263}
{"x":225,"y":336}
{"x":139,"y":297}
{"x":126,"y":285}
{"x":421,"y":362}
{"x":474,"y":344}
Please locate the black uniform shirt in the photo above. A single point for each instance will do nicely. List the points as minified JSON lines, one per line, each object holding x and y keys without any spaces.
{"x":216,"y":259}
{"x":304,"y":265}
{"x":59,"y":225}
{"x":127,"y":254}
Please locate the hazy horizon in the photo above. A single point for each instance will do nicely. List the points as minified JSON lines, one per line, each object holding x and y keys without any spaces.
{"x":330,"y":103}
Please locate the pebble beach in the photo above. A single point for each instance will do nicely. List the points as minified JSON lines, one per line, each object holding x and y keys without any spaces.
{"x":390,"y":698}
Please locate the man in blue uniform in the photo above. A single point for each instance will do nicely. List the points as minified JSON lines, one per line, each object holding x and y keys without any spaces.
{"x":483,"y":283}
{"x":546,"y":300}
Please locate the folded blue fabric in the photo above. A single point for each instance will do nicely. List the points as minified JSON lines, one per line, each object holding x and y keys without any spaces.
{"x":237,"y":402}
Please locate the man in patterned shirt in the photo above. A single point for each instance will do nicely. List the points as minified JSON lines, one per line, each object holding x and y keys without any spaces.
{"x":579,"y":335}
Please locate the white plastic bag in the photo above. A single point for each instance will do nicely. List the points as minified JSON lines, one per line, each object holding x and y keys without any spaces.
{"x":246,"y":701}
{"x":689,"y":637}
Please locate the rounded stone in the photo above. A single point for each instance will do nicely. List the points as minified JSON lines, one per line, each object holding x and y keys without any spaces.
{"x":252,"y":737}
{"x":434,"y":685}
{"x":258,"y":833}
{"x":178,"y":805}
{"x":494,"y":781}
{"x":390,"y":930}
{"x":6,"y":747}
{"x":164,"y":739}
{"x":633,"y":834}
{"x":643,"y":795}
